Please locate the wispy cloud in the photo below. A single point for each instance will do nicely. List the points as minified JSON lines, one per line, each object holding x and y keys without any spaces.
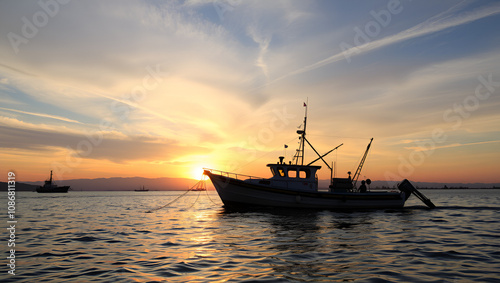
{"x":43,"y":115}
{"x":417,"y":148}
{"x":203,"y":109}
{"x":16,"y":70}
{"x":138,"y":106}
{"x":439,"y":22}
{"x":112,"y":147}
{"x":263,"y":42}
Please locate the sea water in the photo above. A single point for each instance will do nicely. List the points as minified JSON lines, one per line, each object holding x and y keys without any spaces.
{"x":109,"y":237}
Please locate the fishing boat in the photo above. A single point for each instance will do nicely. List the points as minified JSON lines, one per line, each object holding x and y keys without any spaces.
{"x":50,"y":187}
{"x":143,"y":189}
{"x":295,"y":185}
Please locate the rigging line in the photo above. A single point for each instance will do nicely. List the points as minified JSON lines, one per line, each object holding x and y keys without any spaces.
{"x":276,"y":148}
{"x":202,"y":179}
{"x":199,"y":193}
{"x":313,"y":135}
{"x":161,"y":207}
{"x":206,"y":191}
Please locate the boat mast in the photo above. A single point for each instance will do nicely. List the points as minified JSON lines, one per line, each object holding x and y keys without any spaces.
{"x":303,"y":140}
{"x":51,"y":176}
{"x":302,"y":133}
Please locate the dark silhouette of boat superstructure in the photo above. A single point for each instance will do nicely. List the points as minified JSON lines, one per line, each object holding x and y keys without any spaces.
{"x":295,"y":185}
{"x":50,"y":187}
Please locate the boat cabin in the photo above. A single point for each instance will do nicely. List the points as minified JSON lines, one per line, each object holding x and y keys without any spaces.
{"x":293,"y":176}
{"x":292,"y":171}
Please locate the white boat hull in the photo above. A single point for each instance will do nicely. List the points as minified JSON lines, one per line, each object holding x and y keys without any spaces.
{"x":237,"y":193}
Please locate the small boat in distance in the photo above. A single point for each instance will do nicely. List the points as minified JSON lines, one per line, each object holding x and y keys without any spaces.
{"x":141,"y":189}
{"x":201,"y":186}
{"x":51,"y":187}
{"x":295,"y":185}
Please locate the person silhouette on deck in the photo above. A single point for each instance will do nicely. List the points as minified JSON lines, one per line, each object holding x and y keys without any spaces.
{"x":362,"y":188}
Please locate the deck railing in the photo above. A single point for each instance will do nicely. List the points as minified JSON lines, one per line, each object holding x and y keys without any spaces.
{"x":232,"y":175}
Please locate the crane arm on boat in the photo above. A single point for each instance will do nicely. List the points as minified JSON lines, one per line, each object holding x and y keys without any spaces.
{"x":360,"y":166}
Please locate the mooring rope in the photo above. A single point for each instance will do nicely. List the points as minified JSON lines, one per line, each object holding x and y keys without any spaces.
{"x":206,"y":191}
{"x":158,"y":208}
{"x":202,"y":181}
{"x":199,"y":193}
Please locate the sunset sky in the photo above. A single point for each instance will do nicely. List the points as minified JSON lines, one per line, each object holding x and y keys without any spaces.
{"x":94,"y":89}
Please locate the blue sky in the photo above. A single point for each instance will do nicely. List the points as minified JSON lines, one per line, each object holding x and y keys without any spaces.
{"x":160,"y":89}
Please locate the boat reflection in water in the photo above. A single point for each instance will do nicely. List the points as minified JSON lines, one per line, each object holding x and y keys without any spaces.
{"x":295,"y":185}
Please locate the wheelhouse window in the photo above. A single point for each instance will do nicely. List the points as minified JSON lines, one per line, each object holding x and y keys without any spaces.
{"x":304,"y":173}
{"x":292,"y":173}
{"x":281,"y":172}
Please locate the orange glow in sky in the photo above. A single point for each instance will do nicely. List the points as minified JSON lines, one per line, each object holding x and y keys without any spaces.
{"x":163,"y":91}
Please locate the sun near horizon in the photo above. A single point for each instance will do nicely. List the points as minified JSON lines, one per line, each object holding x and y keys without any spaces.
{"x":225,"y":89}
{"x":198,"y":173}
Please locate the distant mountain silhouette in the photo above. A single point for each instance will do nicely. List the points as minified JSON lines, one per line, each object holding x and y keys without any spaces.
{"x":127,"y":184}
{"x":19,"y":186}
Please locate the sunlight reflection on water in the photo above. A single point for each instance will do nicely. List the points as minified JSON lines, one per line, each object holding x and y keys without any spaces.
{"x":107,"y":236}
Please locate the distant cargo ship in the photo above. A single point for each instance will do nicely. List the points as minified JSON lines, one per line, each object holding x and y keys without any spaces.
{"x":51,"y":187}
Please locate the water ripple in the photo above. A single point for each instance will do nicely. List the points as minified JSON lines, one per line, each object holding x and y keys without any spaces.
{"x":107,"y":237}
